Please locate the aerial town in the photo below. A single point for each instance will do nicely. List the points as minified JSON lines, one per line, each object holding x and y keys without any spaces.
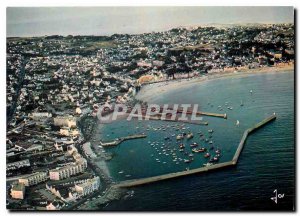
{"x":55,"y":85}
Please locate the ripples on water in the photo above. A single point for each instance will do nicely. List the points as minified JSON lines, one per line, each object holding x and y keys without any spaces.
{"x":266,"y":163}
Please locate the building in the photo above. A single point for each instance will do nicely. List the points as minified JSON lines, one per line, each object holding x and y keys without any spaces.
{"x":88,"y":187}
{"x":34,"y":178}
{"x":55,"y":205}
{"x":17,"y":191}
{"x":17,"y":165}
{"x":40,"y":115}
{"x":69,"y":170}
{"x":68,"y":121}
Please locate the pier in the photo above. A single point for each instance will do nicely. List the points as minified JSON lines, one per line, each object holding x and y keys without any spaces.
{"x":159,"y":118}
{"x":245,"y":136}
{"x":122,"y":139}
{"x":205,"y":114}
{"x":233,"y":162}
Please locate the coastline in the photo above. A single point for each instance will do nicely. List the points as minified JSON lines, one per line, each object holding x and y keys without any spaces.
{"x":150,"y":91}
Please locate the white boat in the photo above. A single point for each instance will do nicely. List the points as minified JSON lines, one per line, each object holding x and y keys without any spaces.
{"x":237,"y":122}
{"x":190,"y":136}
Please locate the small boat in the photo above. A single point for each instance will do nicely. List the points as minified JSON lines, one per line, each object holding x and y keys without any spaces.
{"x":190,"y":136}
{"x":194,"y":145}
{"x":215,"y":159}
{"x":187,"y":161}
{"x":207,"y":155}
{"x":211,"y":142}
{"x":121,"y":172}
{"x":191,"y":155}
{"x":251,"y":91}
{"x":210,"y":131}
{"x":166,"y":138}
{"x":237,"y":123}
{"x":195,"y":150}
{"x":179,"y":137}
{"x":242,"y":103}
{"x":182,"y":146}
{"x":218,"y":151}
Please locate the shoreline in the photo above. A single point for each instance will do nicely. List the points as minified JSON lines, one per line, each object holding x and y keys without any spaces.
{"x":151,"y":90}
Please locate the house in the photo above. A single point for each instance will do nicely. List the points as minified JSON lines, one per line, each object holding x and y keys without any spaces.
{"x":17,"y":191}
{"x":55,"y":205}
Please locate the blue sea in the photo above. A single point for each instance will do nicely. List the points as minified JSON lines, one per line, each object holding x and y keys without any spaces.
{"x":267,"y":161}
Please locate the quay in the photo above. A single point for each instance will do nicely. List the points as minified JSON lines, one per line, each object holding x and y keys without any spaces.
{"x":220,"y":115}
{"x":122,"y":139}
{"x":246,"y":133}
{"x":233,"y":162}
{"x":175,"y":120}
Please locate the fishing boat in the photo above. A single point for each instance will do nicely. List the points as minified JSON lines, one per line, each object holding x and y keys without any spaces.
{"x":187,"y":161}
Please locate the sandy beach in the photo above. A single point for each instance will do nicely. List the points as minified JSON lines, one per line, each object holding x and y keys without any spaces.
{"x":150,"y":91}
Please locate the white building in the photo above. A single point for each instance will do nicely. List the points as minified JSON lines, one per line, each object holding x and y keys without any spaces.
{"x":69,"y":170}
{"x":88,"y":187}
{"x":34,"y":178}
{"x":40,"y":115}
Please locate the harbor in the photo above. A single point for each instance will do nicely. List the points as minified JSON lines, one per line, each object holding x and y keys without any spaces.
{"x":122,"y":139}
{"x":133,"y":183}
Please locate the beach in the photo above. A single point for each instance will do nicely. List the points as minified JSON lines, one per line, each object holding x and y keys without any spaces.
{"x":152,"y":90}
